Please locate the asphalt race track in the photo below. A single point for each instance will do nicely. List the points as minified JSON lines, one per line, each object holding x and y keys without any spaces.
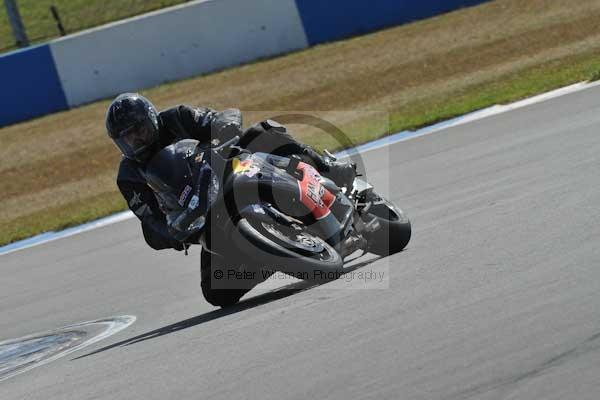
{"x":496,"y":297}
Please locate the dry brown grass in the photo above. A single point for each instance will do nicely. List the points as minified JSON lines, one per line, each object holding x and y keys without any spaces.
{"x":64,"y":161}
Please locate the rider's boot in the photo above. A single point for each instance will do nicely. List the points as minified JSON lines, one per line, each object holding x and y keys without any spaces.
{"x":340,"y":172}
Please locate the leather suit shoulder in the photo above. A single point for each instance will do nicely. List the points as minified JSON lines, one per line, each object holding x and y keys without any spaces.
{"x":129,"y":172}
{"x":185,"y":122}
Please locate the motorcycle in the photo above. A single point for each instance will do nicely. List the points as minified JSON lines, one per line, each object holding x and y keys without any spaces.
{"x":261,"y":212}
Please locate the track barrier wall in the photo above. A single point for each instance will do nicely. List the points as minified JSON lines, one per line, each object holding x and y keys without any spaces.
{"x":185,"y":41}
{"x":30,"y":85}
{"x":328,"y":20}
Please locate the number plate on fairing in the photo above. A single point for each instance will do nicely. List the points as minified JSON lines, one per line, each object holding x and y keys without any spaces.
{"x":312,"y":193}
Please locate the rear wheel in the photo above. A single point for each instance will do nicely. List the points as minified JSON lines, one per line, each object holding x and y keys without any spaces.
{"x":290,"y":249}
{"x":394,"y":228}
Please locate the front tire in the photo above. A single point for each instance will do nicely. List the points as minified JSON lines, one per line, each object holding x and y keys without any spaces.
{"x":394,"y":228}
{"x":288,"y":249}
{"x":217,"y":296}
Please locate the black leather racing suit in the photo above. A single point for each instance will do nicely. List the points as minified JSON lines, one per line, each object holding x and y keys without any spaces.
{"x":205,"y":125}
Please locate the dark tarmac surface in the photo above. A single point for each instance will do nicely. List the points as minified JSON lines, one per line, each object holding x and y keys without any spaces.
{"x":497,"y":296}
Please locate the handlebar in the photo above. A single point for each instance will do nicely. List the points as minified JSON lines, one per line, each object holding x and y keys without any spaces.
{"x":228,"y":143}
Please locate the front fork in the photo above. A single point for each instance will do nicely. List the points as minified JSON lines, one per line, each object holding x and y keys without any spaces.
{"x":350,"y":227}
{"x":356,"y":228}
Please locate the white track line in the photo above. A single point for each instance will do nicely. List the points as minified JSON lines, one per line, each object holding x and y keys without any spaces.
{"x":467,"y":118}
{"x":376,"y":144}
{"x":52,"y":236}
{"x":113,"y":326}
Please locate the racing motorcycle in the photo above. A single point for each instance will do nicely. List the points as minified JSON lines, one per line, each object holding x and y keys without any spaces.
{"x":262,"y":212}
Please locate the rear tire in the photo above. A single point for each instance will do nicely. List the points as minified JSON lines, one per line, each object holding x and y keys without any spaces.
{"x":394,"y":229}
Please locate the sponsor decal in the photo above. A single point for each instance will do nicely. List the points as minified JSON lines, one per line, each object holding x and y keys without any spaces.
{"x":252,"y":171}
{"x":193,"y":202}
{"x":135,"y":200}
{"x":239,"y":167}
{"x":312,"y":193}
{"x":184,"y":195}
{"x":245,"y":167}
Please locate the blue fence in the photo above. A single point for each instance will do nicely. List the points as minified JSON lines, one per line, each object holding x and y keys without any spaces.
{"x":328,"y":20}
{"x":30,"y":86}
{"x":53,"y":77}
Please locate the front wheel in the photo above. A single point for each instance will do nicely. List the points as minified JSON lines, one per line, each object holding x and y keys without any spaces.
{"x":290,"y":249}
{"x":214,"y":267}
{"x":394,"y":228}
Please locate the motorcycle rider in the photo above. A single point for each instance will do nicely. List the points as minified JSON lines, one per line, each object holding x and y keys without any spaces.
{"x":140,"y":131}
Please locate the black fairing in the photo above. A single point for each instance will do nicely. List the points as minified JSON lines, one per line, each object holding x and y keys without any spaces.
{"x":246,"y":180}
{"x":170,"y":171}
{"x":270,"y":184}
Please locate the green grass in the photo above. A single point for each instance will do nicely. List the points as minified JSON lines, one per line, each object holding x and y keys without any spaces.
{"x":503,"y":89}
{"x":64,"y":216}
{"x":76,"y":15}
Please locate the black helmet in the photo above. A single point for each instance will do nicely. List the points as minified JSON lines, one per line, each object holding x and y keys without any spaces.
{"x":132,"y":123}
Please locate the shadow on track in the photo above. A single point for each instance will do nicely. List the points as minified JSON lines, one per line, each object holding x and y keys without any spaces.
{"x":252,"y":302}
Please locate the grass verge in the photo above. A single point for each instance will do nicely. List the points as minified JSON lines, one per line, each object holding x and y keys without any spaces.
{"x":63,"y":216}
{"x":75,"y":15}
{"x":58,"y":170}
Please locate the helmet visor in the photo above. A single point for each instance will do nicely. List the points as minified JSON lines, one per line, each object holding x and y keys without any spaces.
{"x":136,"y":139}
